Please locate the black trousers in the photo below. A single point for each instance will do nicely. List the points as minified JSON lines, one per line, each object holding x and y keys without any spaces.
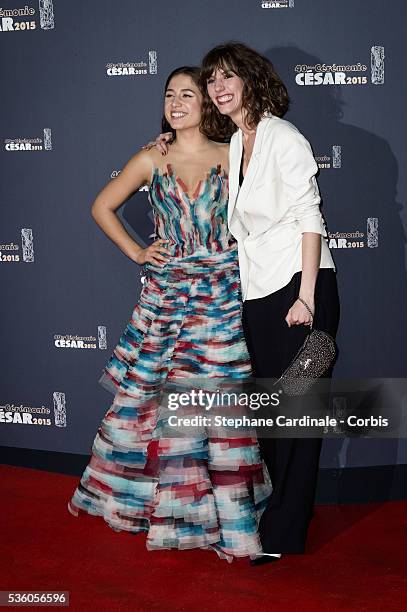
{"x":292,"y":463}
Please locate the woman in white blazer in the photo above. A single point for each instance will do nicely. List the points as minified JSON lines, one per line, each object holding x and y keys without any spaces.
{"x":288,"y":276}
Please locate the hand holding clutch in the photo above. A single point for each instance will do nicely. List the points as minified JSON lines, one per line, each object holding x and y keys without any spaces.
{"x":312,"y":360}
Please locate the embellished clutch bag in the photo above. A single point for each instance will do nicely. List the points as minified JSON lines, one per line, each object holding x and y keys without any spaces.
{"x":313,"y":359}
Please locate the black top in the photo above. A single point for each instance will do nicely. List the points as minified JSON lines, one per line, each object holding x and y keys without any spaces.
{"x":241,"y":177}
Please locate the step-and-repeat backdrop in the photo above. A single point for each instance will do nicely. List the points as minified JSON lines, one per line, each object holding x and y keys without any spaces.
{"x":82,"y":90}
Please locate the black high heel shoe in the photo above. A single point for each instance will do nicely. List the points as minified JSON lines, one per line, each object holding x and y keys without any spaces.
{"x":264,"y":559}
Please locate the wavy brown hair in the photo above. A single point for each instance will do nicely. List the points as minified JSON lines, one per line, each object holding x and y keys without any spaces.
{"x":263,"y":90}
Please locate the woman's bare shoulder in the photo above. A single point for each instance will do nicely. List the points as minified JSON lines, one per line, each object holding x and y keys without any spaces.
{"x":222,"y":146}
{"x":159,"y":160}
{"x":143,"y":163}
{"x":221,"y":150}
{"x":141,"y":158}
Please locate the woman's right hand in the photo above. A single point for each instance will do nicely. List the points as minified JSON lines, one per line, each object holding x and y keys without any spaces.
{"x":156,"y":254}
{"x":160,"y":143}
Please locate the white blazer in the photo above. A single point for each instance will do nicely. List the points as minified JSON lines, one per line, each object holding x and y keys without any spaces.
{"x":278,"y":201}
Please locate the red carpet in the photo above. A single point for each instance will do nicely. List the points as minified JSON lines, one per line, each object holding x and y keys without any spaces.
{"x":356,"y":559}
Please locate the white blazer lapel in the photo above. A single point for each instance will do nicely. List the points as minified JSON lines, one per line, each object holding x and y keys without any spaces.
{"x":253,"y":164}
{"x":235,"y":154}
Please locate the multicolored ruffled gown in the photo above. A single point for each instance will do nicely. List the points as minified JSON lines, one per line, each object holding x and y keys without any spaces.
{"x":205,"y":491}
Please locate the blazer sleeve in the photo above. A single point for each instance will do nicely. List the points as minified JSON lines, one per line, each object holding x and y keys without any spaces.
{"x":298,"y":168}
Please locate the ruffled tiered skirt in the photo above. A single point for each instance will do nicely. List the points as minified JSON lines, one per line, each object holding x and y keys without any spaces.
{"x":203,"y":490}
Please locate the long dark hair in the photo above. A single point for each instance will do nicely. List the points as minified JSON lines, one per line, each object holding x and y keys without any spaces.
{"x":263,"y":90}
{"x":191,"y":71}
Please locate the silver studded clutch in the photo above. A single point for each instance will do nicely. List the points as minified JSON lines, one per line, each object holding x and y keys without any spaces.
{"x":313,"y":359}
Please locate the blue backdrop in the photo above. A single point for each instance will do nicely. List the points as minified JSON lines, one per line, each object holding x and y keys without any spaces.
{"x":82,"y":91}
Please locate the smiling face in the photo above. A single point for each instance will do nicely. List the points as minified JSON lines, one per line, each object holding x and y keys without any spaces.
{"x":183,"y":101}
{"x":225,"y":89}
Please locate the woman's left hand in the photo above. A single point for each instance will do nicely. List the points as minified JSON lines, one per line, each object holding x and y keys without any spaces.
{"x":299,"y":315}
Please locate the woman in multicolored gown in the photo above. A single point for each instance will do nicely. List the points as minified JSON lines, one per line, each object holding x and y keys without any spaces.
{"x":204,"y":491}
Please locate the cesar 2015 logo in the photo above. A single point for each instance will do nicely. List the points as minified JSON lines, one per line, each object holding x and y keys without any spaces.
{"x":22,"y":19}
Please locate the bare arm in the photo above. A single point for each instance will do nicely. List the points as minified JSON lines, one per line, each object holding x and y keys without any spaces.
{"x":311,"y":257}
{"x":136,"y":173}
